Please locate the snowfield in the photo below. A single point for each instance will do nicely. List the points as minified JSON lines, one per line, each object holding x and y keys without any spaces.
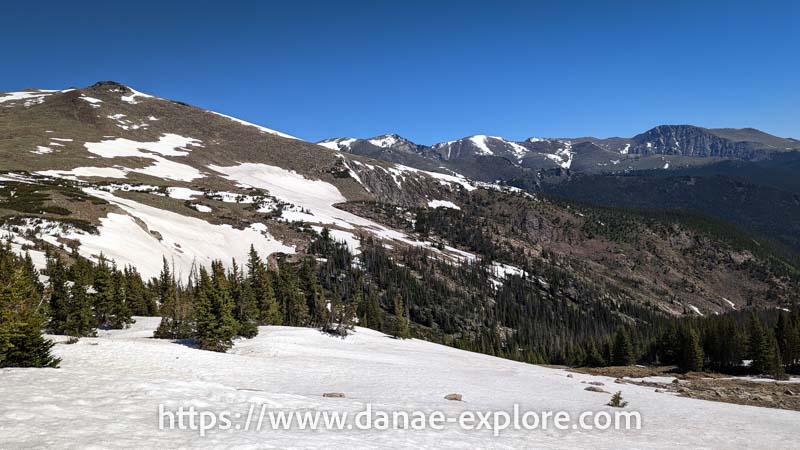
{"x":184,"y":241}
{"x":108,"y":390}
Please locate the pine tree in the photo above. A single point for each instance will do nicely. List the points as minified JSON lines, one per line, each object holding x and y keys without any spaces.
{"x":80,"y":320}
{"x":400,"y":328}
{"x":593,"y":356}
{"x":175,"y":313}
{"x":59,"y":298}
{"x":616,"y":401}
{"x":759,"y":349}
{"x":372,"y":316}
{"x":140,"y":302}
{"x":315,"y":297}
{"x":690,"y":354}
{"x":103,"y":295}
{"x":622,"y":352}
{"x":119,"y":313}
{"x":774,"y":362}
{"x":245,"y":310}
{"x":213,"y":312}
{"x":788,"y":338}
{"x":21,"y":318}
{"x":295,"y":308}
{"x":261,"y":281}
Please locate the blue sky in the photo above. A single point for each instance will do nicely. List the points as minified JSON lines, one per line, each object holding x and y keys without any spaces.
{"x":428,"y":70}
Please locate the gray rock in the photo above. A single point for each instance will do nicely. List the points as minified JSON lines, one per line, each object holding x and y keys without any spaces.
{"x":596,"y":389}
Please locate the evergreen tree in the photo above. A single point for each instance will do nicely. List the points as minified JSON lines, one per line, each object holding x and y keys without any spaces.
{"x":21,"y":318}
{"x":80,"y":320}
{"x":213,"y":312}
{"x":59,"y":298}
{"x":119,"y":313}
{"x":622,"y":353}
{"x":759,"y":348}
{"x":400,"y":328}
{"x":261,"y":281}
{"x":774,"y":362}
{"x":315,"y":297}
{"x":786,"y":333}
{"x":690,"y":354}
{"x":140,"y":302}
{"x":593,"y":357}
{"x":245,"y":309}
{"x":175,"y":313}
{"x":103,"y":293}
{"x":295,"y":308}
{"x":371,"y":317}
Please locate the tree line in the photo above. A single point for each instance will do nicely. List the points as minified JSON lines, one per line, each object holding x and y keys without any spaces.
{"x":755,"y":342}
{"x":408,"y":292}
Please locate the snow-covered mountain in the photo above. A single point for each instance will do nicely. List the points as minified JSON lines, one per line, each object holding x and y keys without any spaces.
{"x":663,"y":147}
{"x":168,"y":179}
{"x":110,"y":170}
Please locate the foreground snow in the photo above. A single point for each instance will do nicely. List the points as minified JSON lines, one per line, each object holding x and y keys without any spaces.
{"x":107,"y":392}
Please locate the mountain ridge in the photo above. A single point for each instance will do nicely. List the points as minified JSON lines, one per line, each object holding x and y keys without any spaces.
{"x":682,"y":145}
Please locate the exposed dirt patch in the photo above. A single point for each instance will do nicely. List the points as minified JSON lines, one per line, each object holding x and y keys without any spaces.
{"x":708,"y":386}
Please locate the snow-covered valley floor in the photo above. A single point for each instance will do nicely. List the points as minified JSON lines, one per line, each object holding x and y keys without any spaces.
{"x":108,"y":390}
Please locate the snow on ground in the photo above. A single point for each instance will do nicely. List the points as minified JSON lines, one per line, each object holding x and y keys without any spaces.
{"x":167,"y":145}
{"x":42,"y":150}
{"x":95,"y":102}
{"x":696,"y":310}
{"x":201,"y":208}
{"x":86,"y":172}
{"x":182,"y":193}
{"x":398,"y":171}
{"x":22,"y":246}
{"x":314,"y":202}
{"x":314,"y":199}
{"x":263,"y":129}
{"x":480,"y":142}
{"x":442,"y":204}
{"x":184,"y":240}
{"x":730,"y":303}
{"x":338,"y":144}
{"x":107,"y":393}
{"x":348,"y":238}
{"x":384,"y":141}
{"x":30,"y":97}
{"x":518,"y":150}
{"x":132,"y":98}
{"x":563,"y":156}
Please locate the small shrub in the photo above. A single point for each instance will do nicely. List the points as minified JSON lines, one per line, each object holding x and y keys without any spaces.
{"x":616,"y":401}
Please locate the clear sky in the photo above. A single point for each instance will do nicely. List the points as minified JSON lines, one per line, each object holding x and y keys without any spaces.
{"x":428,"y":70}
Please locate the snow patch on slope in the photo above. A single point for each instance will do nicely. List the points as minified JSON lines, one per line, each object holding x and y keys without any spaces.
{"x":442,"y":204}
{"x":132,"y":98}
{"x":340,"y":144}
{"x":263,"y":129}
{"x":385,"y":141}
{"x":167,"y":145}
{"x":184,"y":241}
{"x":86,"y":172}
{"x":480,"y":142}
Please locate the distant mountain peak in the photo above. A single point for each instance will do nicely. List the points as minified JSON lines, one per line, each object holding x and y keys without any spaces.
{"x":388,"y":140}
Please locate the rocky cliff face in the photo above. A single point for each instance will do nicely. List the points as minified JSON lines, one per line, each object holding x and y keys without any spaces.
{"x":699,"y":142}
